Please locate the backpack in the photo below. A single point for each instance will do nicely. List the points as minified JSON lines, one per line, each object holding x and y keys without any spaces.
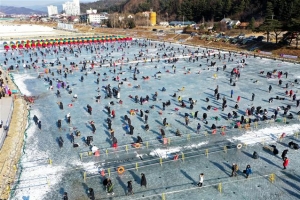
{"x":236,"y":167}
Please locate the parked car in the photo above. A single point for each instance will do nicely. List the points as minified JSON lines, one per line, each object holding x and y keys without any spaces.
{"x":260,"y":38}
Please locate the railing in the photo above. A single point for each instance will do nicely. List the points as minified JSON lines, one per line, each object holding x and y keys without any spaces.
{"x":5,"y":127}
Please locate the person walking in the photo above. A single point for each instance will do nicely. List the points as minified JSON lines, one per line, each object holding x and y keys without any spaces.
{"x":248,"y":171}
{"x":283,"y":155}
{"x":200,"y":183}
{"x":285,"y":162}
{"x":143,"y":180}
{"x":270,"y":88}
{"x":198,"y":128}
{"x":231,"y":93}
{"x":234,"y":169}
{"x":129,"y":188}
{"x":253,"y":96}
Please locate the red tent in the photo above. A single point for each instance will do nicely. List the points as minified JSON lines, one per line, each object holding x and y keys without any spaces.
{"x":6,"y":47}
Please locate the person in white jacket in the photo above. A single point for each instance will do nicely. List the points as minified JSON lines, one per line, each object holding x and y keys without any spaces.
{"x":201,"y":176}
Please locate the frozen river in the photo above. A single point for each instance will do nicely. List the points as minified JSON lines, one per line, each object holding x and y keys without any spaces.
{"x":191,"y":76}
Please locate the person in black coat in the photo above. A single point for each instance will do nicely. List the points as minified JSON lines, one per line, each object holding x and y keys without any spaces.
{"x":129,"y":188}
{"x":131,"y":129}
{"x":143,"y":180}
{"x":59,"y":123}
{"x":65,"y":197}
{"x":283,"y":155}
{"x":40,"y":125}
{"x":60,"y":142}
{"x":93,"y":127}
{"x":139,"y":140}
{"x":91,"y":193}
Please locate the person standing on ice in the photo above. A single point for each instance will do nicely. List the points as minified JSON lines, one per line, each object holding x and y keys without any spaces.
{"x":283,"y":155}
{"x":253,"y":96}
{"x":201,"y":177}
{"x":238,"y":99}
{"x":129,"y":188}
{"x":231,"y":93}
{"x":110,"y":187}
{"x":40,"y":125}
{"x":143,"y":180}
{"x":186,"y":120}
{"x":285,"y":162}
{"x":270,"y":88}
{"x":248,"y":171}
{"x":234,"y":169}
{"x":65,"y":197}
{"x":198,"y":128}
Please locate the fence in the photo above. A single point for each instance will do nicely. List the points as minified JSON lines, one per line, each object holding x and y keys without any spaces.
{"x":5,"y":127}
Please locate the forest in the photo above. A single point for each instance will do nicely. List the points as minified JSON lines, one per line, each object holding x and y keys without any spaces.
{"x":196,"y":10}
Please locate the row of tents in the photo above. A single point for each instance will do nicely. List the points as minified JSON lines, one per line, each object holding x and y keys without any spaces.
{"x":62,"y":41}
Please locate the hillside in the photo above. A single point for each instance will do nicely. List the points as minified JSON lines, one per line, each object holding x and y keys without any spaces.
{"x":104,"y":5}
{"x":197,"y":10}
{"x":9,"y":10}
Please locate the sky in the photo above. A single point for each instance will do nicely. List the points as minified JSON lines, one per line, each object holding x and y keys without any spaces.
{"x":25,"y":3}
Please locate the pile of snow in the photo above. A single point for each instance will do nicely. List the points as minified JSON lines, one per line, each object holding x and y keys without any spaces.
{"x":266,"y":135}
{"x":167,"y":153}
{"x":19,"y":79}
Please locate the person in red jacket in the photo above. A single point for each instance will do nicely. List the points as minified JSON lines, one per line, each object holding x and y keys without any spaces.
{"x":285,"y":162}
{"x":113,"y":113}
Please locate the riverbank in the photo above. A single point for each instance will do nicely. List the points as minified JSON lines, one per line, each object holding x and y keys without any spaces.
{"x":11,"y":150}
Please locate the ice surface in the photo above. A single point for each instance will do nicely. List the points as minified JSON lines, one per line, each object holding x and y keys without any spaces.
{"x":66,"y":171}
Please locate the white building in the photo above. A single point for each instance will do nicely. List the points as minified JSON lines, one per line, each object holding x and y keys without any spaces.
{"x":52,"y":10}
{"x":71,"y":8}
{"x":96,"y":18}
{"x":90,"y":11}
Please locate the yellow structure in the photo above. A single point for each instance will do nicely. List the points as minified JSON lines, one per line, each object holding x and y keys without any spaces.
{"x":153,"y":18}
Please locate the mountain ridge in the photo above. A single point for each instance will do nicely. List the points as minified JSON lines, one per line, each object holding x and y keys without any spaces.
{"x":11,"y":10}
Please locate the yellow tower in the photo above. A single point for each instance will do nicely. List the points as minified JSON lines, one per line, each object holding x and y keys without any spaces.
{"x":153,"y":18}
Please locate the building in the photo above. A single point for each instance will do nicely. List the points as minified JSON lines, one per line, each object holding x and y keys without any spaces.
{"x":71,"y":7}
{"x":97,"y":18}
{"x":52,"y":10}
{"x":230,"y":23}
{"x":91,"y":11}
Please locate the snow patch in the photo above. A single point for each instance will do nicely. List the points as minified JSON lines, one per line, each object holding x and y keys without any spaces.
{"x":167,"y":153}
{"x":266,"y":135}
{"x":19,"y":79}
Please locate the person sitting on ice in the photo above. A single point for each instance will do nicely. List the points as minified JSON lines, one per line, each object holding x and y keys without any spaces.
{"x":75,"y":96}
{"x":178,"y":133}
{"x":146,"y":127}
{"x":183,"y":104}
{"x":163,"y":89}
{"x":139,"y":140}
{"x":94,"y":149}
{"x":293,"y":145}
{"x":213,"y":126}
{"x":229,"y":116}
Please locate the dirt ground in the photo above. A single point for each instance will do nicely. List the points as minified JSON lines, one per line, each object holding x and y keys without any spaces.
{"x":11,"y":149}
